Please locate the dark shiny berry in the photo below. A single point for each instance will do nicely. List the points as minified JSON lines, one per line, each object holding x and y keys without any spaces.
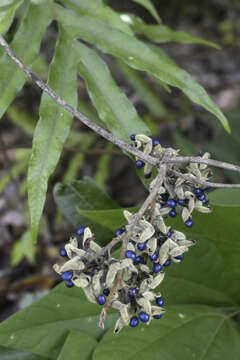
{"x":130,"y":254}
{"x":133,"y":242}
{"x":132,"y":137}
{"x":101,"y":299}
{"x":204,"y":201}
{"x":80,"y":230}
{"x":189,"y":223}
{"x":154,"y":256}
{"x":132,"y":293}
{"x":197,"y":191}
{"x":147,"y":176}
{"x":106,"y":292}
{"x":181,"y":202}
{"x":141,"y":246}
{"x":156,"y":142}
{"x":157,"y":268}
{"x":123,"y":229}
{"x":139,"y":164}
{"x":167,"y":263}
{"x":171,"y":203}
{"x":201,"y":197}
{"x":67,"y":275}
{"x":118,"y":232}
{"x":169,"y":234}
{"x":63,"y":252}
{"x":209,"y":188}
{"x":165,"y":196}
{"x":144,"y":317}
{"x":133,"y":321}
{"x":69,"y":283}
{"x":138,"y":260}
{"x":179,"y":257}
{"x":160,"y":301}
{"x":172,"y":213}
{"x":158,"y":316}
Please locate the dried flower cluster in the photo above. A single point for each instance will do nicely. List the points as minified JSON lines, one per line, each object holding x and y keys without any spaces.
{"x":152,"y":244}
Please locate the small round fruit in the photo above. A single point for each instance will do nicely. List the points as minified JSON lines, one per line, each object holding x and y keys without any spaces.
{"x":101,"y":299}
{"x":171,"y":203}
{"x":106,"y":292}
{"x":118,"y":232}
{"x":141,"y":246}
{"x":133,"y":321}
{"x":147,"y":176}
{"x":160,"y":301}
{"x":144,"y":317}
{"x":132,"y":137}
{"x":132,"y":293}
{"x":156,"y":142}
{"x":189,"y":223}
{"x":157,"y":268}
{"x":63,"y":252}
{"x":154,"y":256}
{"x":172,"y":213}
{"x":179,"y":257}
{"x":80,"y":230}
{"x":130,"y":254}
{"x":167,"y":263}
{"x":69,"y":283}
{"x":139,"y":164}
{"x":181,"y":202}
{"x":67,"y":275}
{"x":158,"y":316}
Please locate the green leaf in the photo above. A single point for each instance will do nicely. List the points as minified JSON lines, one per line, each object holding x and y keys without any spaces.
{"x":77,"y":343}
{"x":26,"y":45}
{"x":23,"y":247}
{"x":43,"y":327}
{"x":100,"y":11}
{"x":22,"y":119}
{"x":184,"y":333}
{"x":150,"y":7}
{"x":225,"y":197}
{"x":7,"y":16}
{"x":162,"y":33}
{"x":113,"y":107}
{"x":221,"y":229}
{"x":102,"y":172}
{"x":148,"y":96}
{"x":53,"y":127}
{"x":86,"y":195}
{"x":9,"y":354}
{"x":137,"y":55}
{"x":16,"y":170}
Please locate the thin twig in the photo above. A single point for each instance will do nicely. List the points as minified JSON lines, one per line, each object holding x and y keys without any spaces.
{"x":129,"y":228}
{"x":123,"y":145}
{"x":195,"y":180}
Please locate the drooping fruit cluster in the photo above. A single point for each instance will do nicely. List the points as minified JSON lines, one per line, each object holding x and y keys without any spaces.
{"x":152,"y":245}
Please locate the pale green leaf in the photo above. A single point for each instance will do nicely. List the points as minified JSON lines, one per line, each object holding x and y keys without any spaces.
{"x":150,"y":7}
{"x":53,"y":127}
{"x":23,"y":248}
{"x":102,"y":172}
{"x":10,"y":354}
{"x":7,"y":15}
{"x":22,"y":119}
{"x":113,"y":107}
{"x":137,"y":55}
{"x":26,"y":45}
{"x":16,"y":170}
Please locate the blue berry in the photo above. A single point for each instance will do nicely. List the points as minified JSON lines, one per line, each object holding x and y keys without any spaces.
{"x":209,"y":188}
{"x":132,"y":242}
{"x":165,"y":196}
{"x":139,"y":164}
{"x":67,"y":275}
{"x":106,"y":292}
{"x":197,"y":191}
{"x":154,"y":256}
{"x":63,"y":252}
{"x":202,"y":197}
{"x":118,"y":232}
{"x":144,"y":317}
{"x":132,"y":293}
{"x":189,"y":223}
{"x":160,"y":301}
{"x":141,"y":246}
{"x":172,"y":213}
{"x":147,"y":176}
{"x":130,"y":254}
{"x":167,"y":263}
{"x":169,"y":234}
{"x":138,"y":260}
{"x":157,"y":268}
{"x":156,"y":142}
{"x":133,"y":321}
{"x":69,"y":283}
{"x":132,"y":137}
{"x":123,"y":229}
{"x":101,"y":299}
{"x":158,"y":316}
{"x":181,"y":202}
{"x":80,"y":230}
{"x":179,"y":257}
{"x":171,"y":203}
{"x":204,"y":201}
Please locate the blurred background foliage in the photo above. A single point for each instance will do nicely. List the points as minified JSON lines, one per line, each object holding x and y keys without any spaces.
{"x":89,"y":167}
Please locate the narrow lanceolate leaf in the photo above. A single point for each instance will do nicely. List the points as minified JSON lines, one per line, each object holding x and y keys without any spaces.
{"x":162,"y":33}
{"x":113,"y":107}
{"x":99,"y":10}
{"x":7,"y":14}
{"x":53,"y":127}
{"x":138,"y":55}
{"x":150,"y":7}
{"x":26,"y":45}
